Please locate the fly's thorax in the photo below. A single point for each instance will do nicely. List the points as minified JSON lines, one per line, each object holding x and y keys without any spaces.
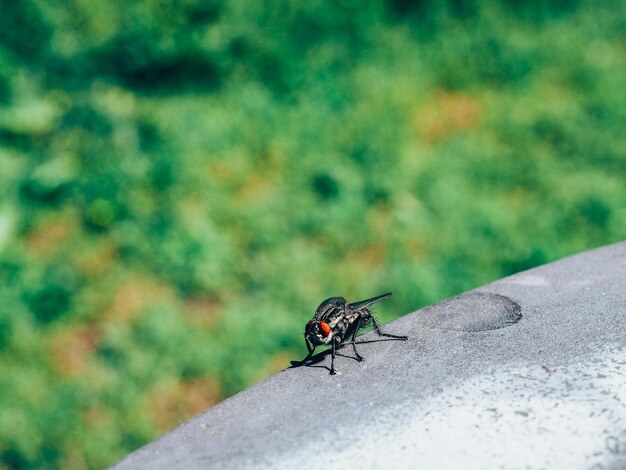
{"x":331,"y":309}
{"x":340,"y":329}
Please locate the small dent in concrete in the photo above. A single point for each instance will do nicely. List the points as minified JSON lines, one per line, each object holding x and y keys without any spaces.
{"x":472,"y":312}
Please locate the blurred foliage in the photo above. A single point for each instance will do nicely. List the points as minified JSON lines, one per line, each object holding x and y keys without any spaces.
{"x":183,"y":181}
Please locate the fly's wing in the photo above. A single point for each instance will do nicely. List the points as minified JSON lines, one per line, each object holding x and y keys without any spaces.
{"x":362,"y":309}
{"x":364,"y":304}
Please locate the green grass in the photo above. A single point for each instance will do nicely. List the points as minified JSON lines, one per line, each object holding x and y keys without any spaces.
{"x":183,"y":182}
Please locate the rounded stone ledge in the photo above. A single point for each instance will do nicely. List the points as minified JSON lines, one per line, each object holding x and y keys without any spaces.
{"x":546,"y":393}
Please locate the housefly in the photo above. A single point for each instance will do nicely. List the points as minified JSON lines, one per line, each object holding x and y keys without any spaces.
{"x":336,"y":322}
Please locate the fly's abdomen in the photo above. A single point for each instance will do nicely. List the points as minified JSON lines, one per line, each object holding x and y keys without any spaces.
{"x":366,"y":320}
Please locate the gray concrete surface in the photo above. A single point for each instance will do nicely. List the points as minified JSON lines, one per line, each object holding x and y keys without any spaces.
{"x":525,"y":372}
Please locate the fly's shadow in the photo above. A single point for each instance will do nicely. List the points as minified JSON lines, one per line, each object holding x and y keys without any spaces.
{"x":313,"y":361}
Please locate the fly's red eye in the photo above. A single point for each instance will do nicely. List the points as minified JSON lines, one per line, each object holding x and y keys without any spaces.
{"x":309,"y":323}
{"x":325,"y":328}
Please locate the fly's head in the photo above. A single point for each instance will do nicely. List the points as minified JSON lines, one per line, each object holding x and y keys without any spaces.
{"x":318,"y":332}
{"x":326,"y":324}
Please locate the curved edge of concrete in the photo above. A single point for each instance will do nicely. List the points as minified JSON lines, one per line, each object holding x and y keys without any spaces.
{"x":528,"y":371}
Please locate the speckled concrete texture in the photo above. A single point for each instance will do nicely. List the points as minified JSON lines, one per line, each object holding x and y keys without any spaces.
{"x":526,"y":372}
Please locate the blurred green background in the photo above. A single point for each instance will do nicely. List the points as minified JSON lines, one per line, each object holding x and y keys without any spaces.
{"x":183,"y":181}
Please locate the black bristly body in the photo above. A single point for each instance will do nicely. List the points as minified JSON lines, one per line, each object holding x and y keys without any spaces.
{"x":337,"y":322}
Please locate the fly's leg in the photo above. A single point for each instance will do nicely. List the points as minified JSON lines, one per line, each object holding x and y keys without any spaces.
{"x":358,"y":356}
{"x":380,"y":332}
{"x":311,"y":351}
{"x":332,"y":360}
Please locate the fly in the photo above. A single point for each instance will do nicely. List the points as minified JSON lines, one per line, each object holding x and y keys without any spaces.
{"x":336,"y":322}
